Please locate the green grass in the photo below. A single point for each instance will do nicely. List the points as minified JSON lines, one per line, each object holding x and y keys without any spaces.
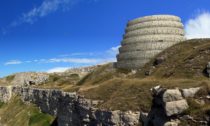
{"x":40,"y":119}
{"x":17,"y":113}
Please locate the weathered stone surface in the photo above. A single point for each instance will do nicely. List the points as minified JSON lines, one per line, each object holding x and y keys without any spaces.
{"x":70,"y":108}
{"x":146,"y":37}
{"x":172,"y":95}
{"x":167,"y":105}
{"x":176,"y":107}
{"x":190,"y":93}
{"x":30,"y":78}
{"x":172,"y":123}
{"x":5,"y":93}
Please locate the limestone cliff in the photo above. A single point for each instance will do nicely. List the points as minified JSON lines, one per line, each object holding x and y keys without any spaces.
{"x":69,"y":108}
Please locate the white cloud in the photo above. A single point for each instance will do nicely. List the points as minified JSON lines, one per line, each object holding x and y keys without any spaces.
{"x":58,"y":69}
{"x":198,"y":27}
{"x":113,"y":51}
{"x":73,"y":60}
{"x":47,"y":7}
{"x":13,"y":62}
{"x":87,"y":58}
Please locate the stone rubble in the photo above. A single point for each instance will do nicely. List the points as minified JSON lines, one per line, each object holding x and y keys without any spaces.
{"x":167,"y":104}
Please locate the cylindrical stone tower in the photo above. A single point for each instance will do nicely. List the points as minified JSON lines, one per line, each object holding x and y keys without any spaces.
{"x":145,"y":37}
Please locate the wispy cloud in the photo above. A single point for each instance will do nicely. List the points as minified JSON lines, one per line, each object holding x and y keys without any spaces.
{"x":73,"y":60}
{"x":95,"y":58}
{"x":113,"y":51}
{"x":13,"y":62}
{"x":198,"y":27}
{"x":58,"y":69}
{"x":45,"y":8}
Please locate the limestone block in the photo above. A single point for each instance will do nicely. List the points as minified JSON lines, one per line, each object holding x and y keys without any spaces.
{"x":190,"y":92}
{"x":176,"y":107}
{"x":172,"y":95}
{"x":172,"y":123}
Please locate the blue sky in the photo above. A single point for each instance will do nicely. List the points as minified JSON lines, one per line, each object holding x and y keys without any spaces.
{"x":48,"y":35}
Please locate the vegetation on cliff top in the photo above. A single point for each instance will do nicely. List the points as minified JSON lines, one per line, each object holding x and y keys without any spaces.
{"x":17,"y":113}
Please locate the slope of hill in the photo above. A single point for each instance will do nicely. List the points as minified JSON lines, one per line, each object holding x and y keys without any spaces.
{"x":183,"y":65}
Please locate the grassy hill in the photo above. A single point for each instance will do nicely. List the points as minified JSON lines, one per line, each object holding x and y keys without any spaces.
{"x":183,"y":66}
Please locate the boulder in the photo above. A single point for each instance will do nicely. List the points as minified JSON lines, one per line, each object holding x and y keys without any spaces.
{"x":172,"y":123}
{"x":190,"y":93}
{"x":176,"y":107}
{"x":130,"y":118}
{"x":172,"y":95}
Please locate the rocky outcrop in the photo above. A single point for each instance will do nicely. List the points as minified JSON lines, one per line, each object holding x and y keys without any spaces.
{"x":167,"y":104}
{"x":190,"y":93}
{"x":81,"y":71}
{"x":70,"y":108}
{"x":29,"y":78}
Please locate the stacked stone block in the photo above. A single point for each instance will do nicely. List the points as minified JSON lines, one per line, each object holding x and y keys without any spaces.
{"x":145,"y":37}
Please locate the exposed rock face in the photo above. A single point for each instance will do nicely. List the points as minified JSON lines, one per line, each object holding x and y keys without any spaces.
{"x":190,"y":93}
{"x":30,"y":78}
{"x":74,"y":110}
{"x":69,"y":108}
{"x":167,"y":104}
{"x":176,"y":107}
{"x":81,"y":71}
{"x":172,"y":95}
{"x":5,"y":93}
{"x":146,"y":37}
